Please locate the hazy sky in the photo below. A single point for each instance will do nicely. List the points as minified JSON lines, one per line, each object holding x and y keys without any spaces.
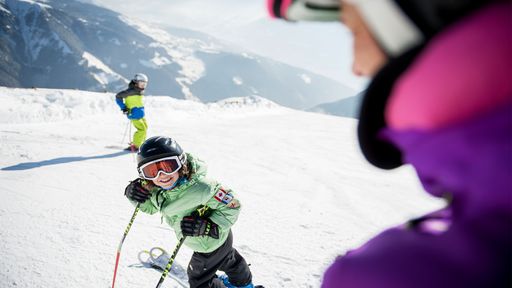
{"x":322,"y":48}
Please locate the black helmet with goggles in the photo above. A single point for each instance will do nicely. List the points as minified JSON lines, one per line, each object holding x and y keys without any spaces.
{"x":159,"y":154}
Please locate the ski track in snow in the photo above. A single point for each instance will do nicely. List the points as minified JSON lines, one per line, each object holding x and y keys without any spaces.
{"x":307,"y":193}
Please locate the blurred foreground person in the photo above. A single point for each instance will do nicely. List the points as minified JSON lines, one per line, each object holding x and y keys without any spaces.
{"x":440,"y":99}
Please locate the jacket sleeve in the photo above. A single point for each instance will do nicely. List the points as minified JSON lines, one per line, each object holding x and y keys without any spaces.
{"x":148,"y":207}
{"x":120,"y":103}
{"x":120,"y":99}
{"x":226,"y":208}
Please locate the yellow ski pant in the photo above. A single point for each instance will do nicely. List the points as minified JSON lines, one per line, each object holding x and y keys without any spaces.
{"x":140,"y":135}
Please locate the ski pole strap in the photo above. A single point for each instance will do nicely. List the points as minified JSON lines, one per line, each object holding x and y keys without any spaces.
{"x":171,"y":260}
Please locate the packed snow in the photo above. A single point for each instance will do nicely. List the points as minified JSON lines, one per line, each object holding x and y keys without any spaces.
{"x":307,"y":193}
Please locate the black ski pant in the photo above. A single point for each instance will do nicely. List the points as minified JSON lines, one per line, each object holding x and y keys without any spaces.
{"x":202,"y":267}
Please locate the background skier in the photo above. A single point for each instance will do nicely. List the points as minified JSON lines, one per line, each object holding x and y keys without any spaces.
{"x":174,"y":183}
{"x":131,"y":103}
{"x":440,"y":99}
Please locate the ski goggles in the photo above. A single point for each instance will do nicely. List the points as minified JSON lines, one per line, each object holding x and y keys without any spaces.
{"x":168,"y":165}
{"x":304,"y":10}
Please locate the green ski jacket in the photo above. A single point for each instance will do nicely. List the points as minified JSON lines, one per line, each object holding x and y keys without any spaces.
{"x":184,"y":199}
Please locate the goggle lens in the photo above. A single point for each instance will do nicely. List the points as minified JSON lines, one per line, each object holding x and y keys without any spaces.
{"x":168,"y":166}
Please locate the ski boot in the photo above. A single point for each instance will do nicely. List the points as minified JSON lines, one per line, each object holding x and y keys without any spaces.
{"x":225,"y":279}
{"x":132,"y":148}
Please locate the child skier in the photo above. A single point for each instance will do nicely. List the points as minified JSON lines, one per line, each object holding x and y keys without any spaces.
{"x":130,"y":101}
{"x":178,"y":189}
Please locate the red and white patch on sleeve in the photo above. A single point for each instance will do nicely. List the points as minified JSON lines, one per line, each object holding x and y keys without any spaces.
{"x":226,"y":198}
{"x":220,"y":195}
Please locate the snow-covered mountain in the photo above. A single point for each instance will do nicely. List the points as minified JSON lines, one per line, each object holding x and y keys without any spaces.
{"x":71,"y":44}
{"x":346,"y":107}
{"x":46,"y":44}
{"x":324,"y":48}
{"x":307,"y":193}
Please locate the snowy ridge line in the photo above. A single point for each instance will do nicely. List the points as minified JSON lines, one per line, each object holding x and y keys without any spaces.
{"x":179,"y":50}
{"x":50,"y":105}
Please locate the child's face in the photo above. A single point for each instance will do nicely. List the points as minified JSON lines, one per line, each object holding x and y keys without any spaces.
{"x":141,"y":85}
{"x":166,"y":181}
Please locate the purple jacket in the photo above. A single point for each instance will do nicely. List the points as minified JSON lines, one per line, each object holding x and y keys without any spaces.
{"x":450,"y":115}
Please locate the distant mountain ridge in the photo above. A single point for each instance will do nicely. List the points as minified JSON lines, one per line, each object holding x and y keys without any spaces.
{"x":347,"y":107}
{"x":75,"y":45}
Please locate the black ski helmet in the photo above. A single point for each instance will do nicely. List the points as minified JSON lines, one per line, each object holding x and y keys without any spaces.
{"x":159,"y":147}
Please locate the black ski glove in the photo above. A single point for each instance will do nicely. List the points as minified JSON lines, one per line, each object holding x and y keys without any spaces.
{"x":137,"y":191}
{"x":197,"y":226}
{"x":125,"y":110}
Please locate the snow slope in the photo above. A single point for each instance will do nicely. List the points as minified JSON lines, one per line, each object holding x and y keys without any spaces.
{"x":308,"y":194}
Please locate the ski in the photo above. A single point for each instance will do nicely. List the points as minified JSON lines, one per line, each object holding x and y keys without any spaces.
{"x":157,"y":258}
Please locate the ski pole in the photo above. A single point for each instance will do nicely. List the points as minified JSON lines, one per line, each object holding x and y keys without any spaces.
{"x":125,"y":130}
{"x":122,"y":241}
{"x":130,"y":132}
{"x":171,"y":260}
{"x":202,"y":211}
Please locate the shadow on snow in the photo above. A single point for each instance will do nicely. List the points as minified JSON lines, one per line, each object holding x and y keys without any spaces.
{"x":61,"y":160}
